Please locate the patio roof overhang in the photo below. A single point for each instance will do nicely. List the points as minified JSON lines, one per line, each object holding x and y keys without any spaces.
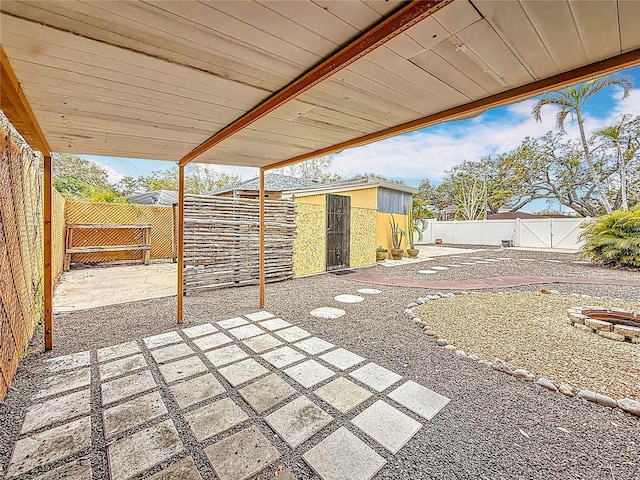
{"x":273,"y":83}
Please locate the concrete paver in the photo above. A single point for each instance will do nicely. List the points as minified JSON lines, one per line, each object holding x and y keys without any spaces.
{"x":50,"y":445}
{"x":185,"y":469}
{"x":232,"y":322}
{"x":199,"y":330}
{"x":214,"y":418}
{"x":65,"y":382}
{"x":309,"y":373}
{"x":246,"y":331}
{"x":196,"y":390}
{"x":298,"y":421}
{"x":242,"y":455}
{"x":419,"y":399}
{"x":68,"y":362}
{"x":258,"y":316}
{"x":387,"y":425}
{"x":122,"y":366}
{"x":282,"y":357}
{"x":239,"y":373}
{"x":342,"y":394}
{"x":348,"y":298}
{"x":342,"y":359}
{"x":292,"y":334}
{"x":267,"y":393}
{"x":314,"y":345}
{"x":343,"y":456}
{"x":57,"y":410}
{"x":172,"y":352}
{"x":212,"y":341}
{"x":375,"y":376}
{"x":78,"y":470}
{"x":136,"y":453}
{"x":225,"y":355}
{"x":114,"y":352}
{"x":162,"y":340}
{"x":327,"y":312}
{"x":134,"y":412}
{"x":180,"y":369}
{"x":124,"y":387}
{"x":262,"y":343}
{"x":275,"y":324}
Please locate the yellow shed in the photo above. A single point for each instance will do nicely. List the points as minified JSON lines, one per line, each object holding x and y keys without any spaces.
{"x":340,"y":224}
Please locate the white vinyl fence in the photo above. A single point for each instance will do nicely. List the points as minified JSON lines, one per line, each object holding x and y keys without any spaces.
{"x":561,"y":233}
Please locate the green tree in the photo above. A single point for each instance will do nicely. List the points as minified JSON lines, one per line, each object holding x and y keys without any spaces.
{"x":77,"y":178}
{"x":571,"y":101}
{"x":316,"y":169}
{"x":198,"y":179}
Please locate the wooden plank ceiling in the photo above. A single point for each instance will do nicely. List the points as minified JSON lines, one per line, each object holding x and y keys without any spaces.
{"x":150,"y":79}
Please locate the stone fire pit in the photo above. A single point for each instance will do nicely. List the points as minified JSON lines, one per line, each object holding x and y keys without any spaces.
{"x":614,"y":323}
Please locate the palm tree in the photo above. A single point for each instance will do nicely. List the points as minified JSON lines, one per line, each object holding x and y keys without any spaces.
{"x":613,"y":135}
{"x":572,"y":100}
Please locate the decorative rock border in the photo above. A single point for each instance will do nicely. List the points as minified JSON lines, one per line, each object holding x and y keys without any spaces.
{"x":583,"y":318}
{"x":575,"y":315}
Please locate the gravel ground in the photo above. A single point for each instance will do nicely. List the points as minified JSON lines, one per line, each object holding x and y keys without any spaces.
{"x":530,"y":331}
{"x":478,"y":435}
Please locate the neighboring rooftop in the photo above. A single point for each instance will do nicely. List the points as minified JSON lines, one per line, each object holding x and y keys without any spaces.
{"x":273,"y":182}
{"x":155,"y":197}
{"x":352,"y":184}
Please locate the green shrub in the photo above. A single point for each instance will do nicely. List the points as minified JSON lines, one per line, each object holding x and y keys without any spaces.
{"x":614,"y":240}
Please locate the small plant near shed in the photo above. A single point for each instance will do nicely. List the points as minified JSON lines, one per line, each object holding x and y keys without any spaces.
{"x":614,"y":240}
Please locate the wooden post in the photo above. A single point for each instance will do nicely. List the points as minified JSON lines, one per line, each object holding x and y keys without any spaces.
{"x":48,"y":271}
{"x":180,"y":250}
{"x":262,"y":273}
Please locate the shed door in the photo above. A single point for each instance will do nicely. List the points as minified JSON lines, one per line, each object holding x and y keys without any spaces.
{"x":338,"y":231}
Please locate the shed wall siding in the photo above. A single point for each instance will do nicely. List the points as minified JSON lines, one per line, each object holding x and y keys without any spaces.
{"x":393,"y":201}
{"x":363,"y":236}
{"x":310,"y":244}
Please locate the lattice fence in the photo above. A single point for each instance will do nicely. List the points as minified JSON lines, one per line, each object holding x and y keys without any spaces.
{"x":21,"y":250}
{"x":221,"y":241}
{"x":159,"y":217}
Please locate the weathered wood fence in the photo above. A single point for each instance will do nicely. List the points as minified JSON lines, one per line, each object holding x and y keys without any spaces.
{"x":221,"y":241}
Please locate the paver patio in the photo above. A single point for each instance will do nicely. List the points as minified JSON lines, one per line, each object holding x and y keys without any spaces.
{"x":234,"y":393}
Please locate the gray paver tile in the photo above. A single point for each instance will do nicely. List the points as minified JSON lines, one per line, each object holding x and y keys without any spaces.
{"x":196,"y":390}
{"x":242,"y":455}
{"x":172,"y":352}
{"x":247,"y":331}
{"x":65,"y":382}
{"x":162,"y":340}
{"x":262,"y":343}
{"x":134,"y":412}
{"x":114,"y":352}
{"x":124,"y":387}
{"x":274,"y":324}
{"x":314,"y":345}
{"x":185,"y":469}
{"x":298,"y":420}
{"x":50,"y":445}
{"x":212,"y":341}
{"x":57,"y":410}
{"x":267,"y":393}
{"x":419,"y":399}
{"x":137,"y":453}
{"x":292,"y":334}
{"x":386,"y":425}
{"x":282,"y":357}
{"x":375,"y":376}
{"x":199,"y":330}
{"x":68,"y":362}
{"x":215,"y":418}
{"x":343,"y":456}
{"x":180,"y":369}
{"x":78,"y":470}
{"x":309,"y":373}
{"x":257,"y":316}
{"x":342,"y":359}
{"x":242,"y":372}
{"x":225,"y":355}
{"x":232,"y":322}
{"x":342,"y":394}
{"x":121,"y":366}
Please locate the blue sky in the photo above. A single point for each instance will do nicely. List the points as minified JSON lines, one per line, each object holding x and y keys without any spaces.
{"x":430,"y":152}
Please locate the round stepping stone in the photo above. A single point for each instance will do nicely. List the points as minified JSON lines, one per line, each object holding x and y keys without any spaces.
{"x":427,"y":271}
{"x":369,"y":291}
{"x":348,"y":298}
{"x":440,"y":268}
{"x":327,"y":312}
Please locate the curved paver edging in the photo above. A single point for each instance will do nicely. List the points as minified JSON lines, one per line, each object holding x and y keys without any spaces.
{"x":627,"y":404}
{"x":583,"y":318}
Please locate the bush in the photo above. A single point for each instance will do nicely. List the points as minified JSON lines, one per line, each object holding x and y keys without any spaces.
{"x":614,"y":240}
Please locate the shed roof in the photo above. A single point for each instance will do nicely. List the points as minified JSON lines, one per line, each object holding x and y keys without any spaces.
{"x":266,"y":82}
{"x":357,"y":183}
{"x":273,"y":182}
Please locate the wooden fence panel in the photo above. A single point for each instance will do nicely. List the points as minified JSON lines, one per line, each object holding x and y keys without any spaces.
{"x":159,"y":217}
{"x":221,"y":241}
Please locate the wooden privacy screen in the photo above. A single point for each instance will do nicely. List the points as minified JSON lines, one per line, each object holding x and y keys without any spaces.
{"x":21,"y":250}
{"x":159,"y":217}
{"x":221,"y":241}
